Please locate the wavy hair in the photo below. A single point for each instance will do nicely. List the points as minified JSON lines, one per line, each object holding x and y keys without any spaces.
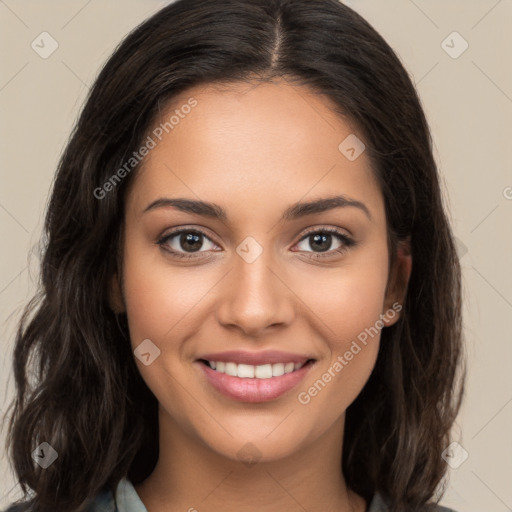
{"x":77,"y":385}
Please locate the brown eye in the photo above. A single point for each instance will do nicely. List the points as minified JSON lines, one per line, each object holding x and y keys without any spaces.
{"x":326,"y":241}
{"x":186,"y":241}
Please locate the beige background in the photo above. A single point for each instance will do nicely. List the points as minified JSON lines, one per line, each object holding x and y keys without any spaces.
{"x":468,"y":101}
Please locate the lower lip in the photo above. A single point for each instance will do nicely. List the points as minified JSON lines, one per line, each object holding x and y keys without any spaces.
{"x":254,"y":390}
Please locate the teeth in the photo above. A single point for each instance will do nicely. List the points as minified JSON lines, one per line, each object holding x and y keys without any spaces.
{"x":249,"y":371}
{"x":263,"y":371}
{"x":230,"y":369}
{"x":245,"y":370}
{"x":278,"y":369}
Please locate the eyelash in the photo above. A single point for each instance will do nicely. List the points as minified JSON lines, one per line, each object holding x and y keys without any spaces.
{"x":345,"y":240}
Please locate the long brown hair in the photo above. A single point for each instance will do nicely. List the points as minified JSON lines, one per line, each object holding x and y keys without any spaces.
{"x":77,"y":386}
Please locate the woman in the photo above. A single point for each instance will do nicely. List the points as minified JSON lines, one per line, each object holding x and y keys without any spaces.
{"x":250,"y":292}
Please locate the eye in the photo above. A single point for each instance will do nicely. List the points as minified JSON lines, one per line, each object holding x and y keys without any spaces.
{"x":321,"y":241}
{"x":187,"y":243}
{"x":184,"y":243}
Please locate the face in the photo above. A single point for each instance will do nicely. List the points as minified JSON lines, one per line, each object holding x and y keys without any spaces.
{"x":285,"y":301}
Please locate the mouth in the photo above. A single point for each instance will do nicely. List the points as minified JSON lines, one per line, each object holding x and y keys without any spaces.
{"x":249,"y":371}
{"x":274,"y":375}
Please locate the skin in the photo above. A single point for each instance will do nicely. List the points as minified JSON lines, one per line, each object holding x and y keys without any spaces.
{"x":255,"y":150}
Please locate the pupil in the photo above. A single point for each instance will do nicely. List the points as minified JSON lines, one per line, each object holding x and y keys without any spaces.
{"x":187,"y":241}
{"x":321,"y":238}
{"x":193,"y":241}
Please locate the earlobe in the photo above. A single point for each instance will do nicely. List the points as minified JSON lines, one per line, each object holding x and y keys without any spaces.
{"x":115,"y":296}
{"x":398,"y":283}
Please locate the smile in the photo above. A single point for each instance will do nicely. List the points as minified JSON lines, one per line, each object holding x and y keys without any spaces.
{"x":254,"y":377}
{"x":249,"y":371}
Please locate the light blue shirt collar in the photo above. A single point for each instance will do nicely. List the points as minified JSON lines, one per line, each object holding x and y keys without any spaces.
{"x":127,"y":499}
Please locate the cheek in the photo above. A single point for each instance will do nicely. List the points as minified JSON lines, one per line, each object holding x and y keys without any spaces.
{"x":159,"y":298}
{"x":337,"y":383}
{"x":346,"y":299}
{"x":160,"y":303}
{"x":348,"y":304}
{"x":353,"y":336}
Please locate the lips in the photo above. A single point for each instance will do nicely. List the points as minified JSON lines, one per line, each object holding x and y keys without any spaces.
{"x":254,"y":376}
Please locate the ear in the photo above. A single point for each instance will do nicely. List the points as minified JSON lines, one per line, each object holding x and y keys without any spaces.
{"x":115,"y":296}
{"x":397,"y":283}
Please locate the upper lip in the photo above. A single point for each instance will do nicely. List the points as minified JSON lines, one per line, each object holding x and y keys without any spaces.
{"x":256,"y":358}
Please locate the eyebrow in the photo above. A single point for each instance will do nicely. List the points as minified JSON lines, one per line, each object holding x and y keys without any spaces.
{"x":293,"y":212}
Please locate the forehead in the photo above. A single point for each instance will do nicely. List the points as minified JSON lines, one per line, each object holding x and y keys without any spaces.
{"x":260,"y":144}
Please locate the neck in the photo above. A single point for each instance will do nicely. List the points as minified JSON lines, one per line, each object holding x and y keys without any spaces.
{"x":190,"y":476}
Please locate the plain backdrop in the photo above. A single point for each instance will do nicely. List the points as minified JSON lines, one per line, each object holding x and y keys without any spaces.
{"x":465,"y":84}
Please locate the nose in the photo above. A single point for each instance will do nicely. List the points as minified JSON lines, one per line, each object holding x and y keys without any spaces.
{"x":255,"y":297}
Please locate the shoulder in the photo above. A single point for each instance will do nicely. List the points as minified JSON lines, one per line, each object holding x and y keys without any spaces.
{"x":123,"y":499}
{"x":379,"y":504}
{"x":102,"y":502}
